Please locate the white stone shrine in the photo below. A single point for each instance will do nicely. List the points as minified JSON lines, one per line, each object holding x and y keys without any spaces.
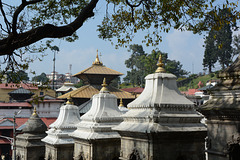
{"x":94,"y":138}
{"x":59,"y":145}
{"x":161,"y":124}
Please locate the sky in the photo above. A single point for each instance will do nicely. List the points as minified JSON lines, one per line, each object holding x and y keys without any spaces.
{"x":185,"y":47}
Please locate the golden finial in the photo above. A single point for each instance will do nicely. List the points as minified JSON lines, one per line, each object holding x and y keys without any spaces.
{"x":69,"y":100}
{"x":34,"y":111}
{"x":97,"y":61}
{"x":160,"y":65}
{"x":121,"y":103}
{"x":104,"y":88}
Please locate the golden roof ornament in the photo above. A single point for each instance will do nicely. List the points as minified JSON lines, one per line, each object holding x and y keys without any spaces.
{"x":104,"y":88}
{"x":69,"y":100}
{"x":160,"y":65}
{"x":34,"y":111}
{"x":97,"y":61}
{"x":121,"y":103}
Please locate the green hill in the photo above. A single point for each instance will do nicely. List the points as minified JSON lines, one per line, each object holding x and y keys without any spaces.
{"x":193,"y":80}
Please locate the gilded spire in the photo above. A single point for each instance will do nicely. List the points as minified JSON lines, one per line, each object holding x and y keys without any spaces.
{"x":34,"y":111}
{"x":97,"y":61}
{"x":69,"y":100}
{"x":121,"y":103}
{"x":104,"y":88}
{"x":160,"y":65}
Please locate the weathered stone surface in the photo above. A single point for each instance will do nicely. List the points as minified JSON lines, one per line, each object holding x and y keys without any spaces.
{"x":28,"y":144}
{"x":59,"y":145}
{"x":59,"y":152}
{"x":94,"y":137}
{"x":223,"y":116}
{"x":161,"y":124}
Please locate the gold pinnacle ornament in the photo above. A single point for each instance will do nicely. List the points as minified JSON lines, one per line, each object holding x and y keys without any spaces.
{"x":160,"y":65}
{"x":121,"y":103}
{"x":97,"y":61}
{"x":69,"y":99}
{"x":34,"y":111}
{"x":104,"y":88}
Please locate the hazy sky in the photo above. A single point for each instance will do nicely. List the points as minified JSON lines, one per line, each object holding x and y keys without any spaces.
{"x":181,"y":46}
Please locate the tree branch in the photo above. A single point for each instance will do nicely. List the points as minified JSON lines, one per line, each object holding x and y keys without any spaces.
{"x":18,"y":11}
{"x":13,"y":42}
{"x":4,"y":16}
{"x":132,"y":5}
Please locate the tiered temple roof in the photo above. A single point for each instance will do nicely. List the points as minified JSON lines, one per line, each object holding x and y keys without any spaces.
{"x":96,"y":73}
{"x":93,"y":77}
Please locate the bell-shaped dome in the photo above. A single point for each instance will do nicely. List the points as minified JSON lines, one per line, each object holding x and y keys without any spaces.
{"x":104,"y":114}
{"x":161,"y":107}
{"x":65,"y":124}
{"x":34,"y":124}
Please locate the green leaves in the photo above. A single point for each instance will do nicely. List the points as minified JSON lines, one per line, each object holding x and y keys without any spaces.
{"x":142,"y":64}
{"x":160,"y":16}
{"x":219,"y":43}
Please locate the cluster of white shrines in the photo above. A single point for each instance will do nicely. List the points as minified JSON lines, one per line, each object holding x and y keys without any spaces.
{"x":161,"y":124}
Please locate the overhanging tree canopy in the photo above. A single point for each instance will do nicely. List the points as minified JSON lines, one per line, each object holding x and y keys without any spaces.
{"x":34,"y":20}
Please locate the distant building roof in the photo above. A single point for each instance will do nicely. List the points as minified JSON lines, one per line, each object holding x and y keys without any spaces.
{"x":21,"y":90}
{"x":15,"y":104}
{"x":47,"y":98}
{"x":16,"y":86}
{"x":205,"y":88}
{"x":21,"y":94}
{"x":138,"y":90}
{"x":66,"y":87}
{"x":190,"y":92}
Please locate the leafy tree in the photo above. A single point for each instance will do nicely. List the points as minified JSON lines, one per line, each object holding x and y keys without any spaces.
{"x":151,"y":60}
{"x":219,"y":42}
{"x":147,"y":64}
{"x":115,"y":82}
{"x":236,"y":44}
{"x":171,"y":66}
{"x":41,"y":78}
{"x":210,"y":53}
{"x":79,"y":84}
{"x":26,"y":22}
{"x":224,"y":42}
{"x":135,"y":63}
{"x":16,"y":77}
{"x":175,"y":67}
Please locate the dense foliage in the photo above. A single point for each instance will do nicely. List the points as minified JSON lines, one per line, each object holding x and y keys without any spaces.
{"x":218,"y":43}
{"x":25,"y":22}
{"x":142,"y":64}
{"x":42,"y":78}
{"x":16,"y":77}
{"x":210,"y":53}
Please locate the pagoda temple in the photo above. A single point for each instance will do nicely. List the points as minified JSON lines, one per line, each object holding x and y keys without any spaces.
{"x":92,"y":77}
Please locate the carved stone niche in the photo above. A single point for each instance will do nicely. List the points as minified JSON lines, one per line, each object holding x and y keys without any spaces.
{"x":49,"y":157}
{"x":80,"y":156}
{"x":135,"y":155}
{"x":233,"y":148}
